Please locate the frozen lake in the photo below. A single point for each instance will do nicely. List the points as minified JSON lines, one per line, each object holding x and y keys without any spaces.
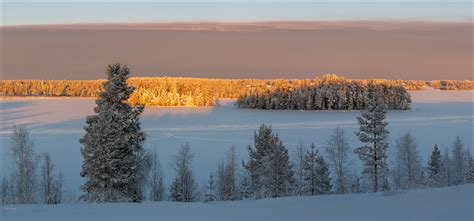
{"x":436,"y":117}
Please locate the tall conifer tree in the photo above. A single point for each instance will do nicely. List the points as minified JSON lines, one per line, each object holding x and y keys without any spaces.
{"x":374,"y":135}
{"x":112,"y":142}
{"x":434,"y":167}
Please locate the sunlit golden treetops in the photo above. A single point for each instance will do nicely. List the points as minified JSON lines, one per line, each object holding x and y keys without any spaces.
{"x":177,"y":91}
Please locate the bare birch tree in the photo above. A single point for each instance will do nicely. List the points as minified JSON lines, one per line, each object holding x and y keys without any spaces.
{"x":338,"y":149}
{"x":24,"y":168}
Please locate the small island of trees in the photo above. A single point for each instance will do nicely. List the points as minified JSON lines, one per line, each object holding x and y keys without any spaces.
{"x":331,"y":93}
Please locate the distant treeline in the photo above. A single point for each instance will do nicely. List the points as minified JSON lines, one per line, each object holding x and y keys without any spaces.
{"x":328,"y":95}
{"x":177,"y":91}
{"x":451,"y":84}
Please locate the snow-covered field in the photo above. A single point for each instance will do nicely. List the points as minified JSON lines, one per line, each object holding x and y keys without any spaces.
{"x":56,"y":126}
{"x":448,"y":203}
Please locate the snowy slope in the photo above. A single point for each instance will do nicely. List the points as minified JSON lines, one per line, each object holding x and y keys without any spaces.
{"x":448,"y":203}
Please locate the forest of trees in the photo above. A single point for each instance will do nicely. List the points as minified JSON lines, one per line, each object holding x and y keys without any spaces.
{"x":269,"y":171}
{"x":118,"y":169}
{"x":333,"y":94}
{"x":176,"y":91}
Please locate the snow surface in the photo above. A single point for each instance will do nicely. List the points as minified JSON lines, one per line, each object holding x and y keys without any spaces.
{"x":436,"y":117}
{"x":447,"y":203}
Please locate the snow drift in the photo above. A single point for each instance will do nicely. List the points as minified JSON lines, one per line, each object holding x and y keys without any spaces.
{"x":448,"y":203}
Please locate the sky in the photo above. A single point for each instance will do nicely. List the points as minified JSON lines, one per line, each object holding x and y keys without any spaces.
{"x":394,"y":39}
{"x":20,"y":12}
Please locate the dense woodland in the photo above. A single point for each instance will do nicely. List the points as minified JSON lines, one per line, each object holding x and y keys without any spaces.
{"x":337,"y":94}
{"x":117,"y":168}
{"x":271,"y":171}
{"x":175,"y":91}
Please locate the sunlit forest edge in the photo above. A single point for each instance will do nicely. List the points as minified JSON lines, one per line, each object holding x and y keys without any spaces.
{"x":182,"y":91}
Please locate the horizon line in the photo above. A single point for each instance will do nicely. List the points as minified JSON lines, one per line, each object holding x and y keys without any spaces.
{"x":243,"y":22}
{"x":242,"y":78}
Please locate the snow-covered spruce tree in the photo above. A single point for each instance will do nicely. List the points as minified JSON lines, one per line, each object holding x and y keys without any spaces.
{"x":244,"y":187}
{"x":176,"y":193}
{"x":210,"y":189}
{"x":408,"y":162}
{"x":24,"y":180}
{"x":269,"y":166}
{"x":226,"y":177}
{"x":468,"y":161}
{"x":112,"y":143}
{"x":184,"y":187}
{"x":155,"y":180}
{"x":310,"y":171}
{"x":280,"y":171}
{"x":470,"y":174}
{"x":373,"y":133}
{"x":338,"y":149}
{"x":458,"y":164}
{"x":317,"y":180}
{"x":434,"y":168}
{"x":324,"y":180}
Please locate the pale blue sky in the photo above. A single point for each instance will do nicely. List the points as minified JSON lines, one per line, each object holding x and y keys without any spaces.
{"x":107,"y":11}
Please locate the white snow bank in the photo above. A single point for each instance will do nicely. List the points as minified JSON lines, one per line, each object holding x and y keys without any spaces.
{"x":448,"y":203}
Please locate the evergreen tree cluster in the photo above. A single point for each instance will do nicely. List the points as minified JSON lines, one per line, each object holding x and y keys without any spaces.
{"x":445,"y":169}
{"x":328,"y":95}
{"x":272,"y":174}
{"x":269,"y":166}
{"x":316,"y":173}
